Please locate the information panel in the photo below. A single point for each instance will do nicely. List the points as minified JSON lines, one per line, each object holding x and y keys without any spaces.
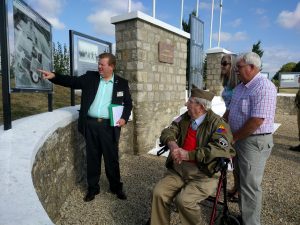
{"x":289,"y":80}
{"x":85,"y":51}
{"x":33,"y":47}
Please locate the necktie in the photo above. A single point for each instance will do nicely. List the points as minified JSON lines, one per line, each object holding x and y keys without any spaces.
{"x":194,"y":125}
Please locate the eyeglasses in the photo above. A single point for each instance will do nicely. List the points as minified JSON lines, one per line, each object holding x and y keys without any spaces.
{"x":237,"y":67}
{"x":225,"y":63}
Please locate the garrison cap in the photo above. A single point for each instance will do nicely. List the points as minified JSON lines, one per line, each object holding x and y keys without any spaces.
{"x":198,"y":93}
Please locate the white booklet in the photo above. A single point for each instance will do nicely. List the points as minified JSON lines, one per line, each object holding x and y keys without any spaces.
{"x":115,"y":113}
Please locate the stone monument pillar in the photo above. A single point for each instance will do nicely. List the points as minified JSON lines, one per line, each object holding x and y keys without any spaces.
{"x":214,"y":56}
{"x":152,"y":56}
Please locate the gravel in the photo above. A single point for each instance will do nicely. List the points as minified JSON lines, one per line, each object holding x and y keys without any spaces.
{"x":281,"y":188}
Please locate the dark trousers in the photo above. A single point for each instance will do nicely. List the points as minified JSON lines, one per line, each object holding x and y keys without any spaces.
{"x":100,"y":141}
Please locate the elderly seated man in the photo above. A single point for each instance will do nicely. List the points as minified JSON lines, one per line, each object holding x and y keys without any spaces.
{"x":195,"y":139}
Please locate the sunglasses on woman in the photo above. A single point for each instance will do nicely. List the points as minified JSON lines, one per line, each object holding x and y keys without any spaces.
{"x":225,"y":63}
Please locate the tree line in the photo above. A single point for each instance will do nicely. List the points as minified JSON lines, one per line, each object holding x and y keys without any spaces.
{"x":61,"y":59}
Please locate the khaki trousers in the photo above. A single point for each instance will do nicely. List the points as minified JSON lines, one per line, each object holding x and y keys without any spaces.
{"x":187,"y":186}
{"x":252,"y":155}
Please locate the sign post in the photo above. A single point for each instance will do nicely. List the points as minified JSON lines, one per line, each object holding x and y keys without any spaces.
{"x":5,"y":65}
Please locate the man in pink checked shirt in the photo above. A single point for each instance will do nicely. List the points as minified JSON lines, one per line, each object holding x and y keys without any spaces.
{"x":251,"y":119}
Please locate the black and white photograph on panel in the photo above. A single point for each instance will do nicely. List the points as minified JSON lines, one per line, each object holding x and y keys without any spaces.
{"x":86,"y":52}
{"x":33,"y":47}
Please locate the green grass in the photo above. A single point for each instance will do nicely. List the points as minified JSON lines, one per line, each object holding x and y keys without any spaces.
{"x":26,"y":104}
{"x":288,"y":90}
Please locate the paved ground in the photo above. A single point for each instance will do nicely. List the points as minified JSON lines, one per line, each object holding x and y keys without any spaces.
{"x":281,"y":188}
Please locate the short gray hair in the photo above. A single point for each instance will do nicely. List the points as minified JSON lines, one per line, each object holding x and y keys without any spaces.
{"x":250,"y":58}
{"x":206,"y":104}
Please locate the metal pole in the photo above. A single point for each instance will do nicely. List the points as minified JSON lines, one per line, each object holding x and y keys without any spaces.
{"x":50,"y":101}
{"x":220,"y":23}
{"x":211,"y":22}
{"x":153,"y":8}
{"x":197,"y":8}
{"x":181,"y":14}
{"x":129,"y":6}
{"x":5,"y":65}
{"x":71,"y":43}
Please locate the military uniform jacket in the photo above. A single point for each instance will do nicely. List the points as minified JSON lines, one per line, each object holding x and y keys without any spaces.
{"x":297,"y":99}
{"x":213,"y":140}
{"x":89,"y":84}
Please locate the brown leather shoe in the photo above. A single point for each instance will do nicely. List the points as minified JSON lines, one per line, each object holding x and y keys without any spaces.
{"x":90,"y":195}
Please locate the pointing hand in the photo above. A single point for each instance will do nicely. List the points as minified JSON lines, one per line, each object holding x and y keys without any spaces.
{"x":46,"y":74}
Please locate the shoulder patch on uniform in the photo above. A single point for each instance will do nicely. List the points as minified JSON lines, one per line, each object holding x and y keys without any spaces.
{"x":221,"y":129}
{"x":178,"y":119}
{"x":222,"y":141}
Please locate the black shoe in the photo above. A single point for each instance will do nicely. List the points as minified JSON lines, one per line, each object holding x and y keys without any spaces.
{"x":295,"y":148}
{"x":148,"y":222}
{"x":239,"y":218}
{"x":120,"y":194}
{"x":90,"y":195}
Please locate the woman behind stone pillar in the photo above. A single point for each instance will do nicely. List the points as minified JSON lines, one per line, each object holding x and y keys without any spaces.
{"x":229,"y":81}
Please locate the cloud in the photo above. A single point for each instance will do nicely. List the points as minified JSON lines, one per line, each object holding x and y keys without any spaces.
{"x":50,"y":10}
{"x":101,"y":22}
{"x":260,"y":11}
{"x":100,"y":18}
{"x":288,"y":19}
{"x":225,"y":36}
{"x":264,"y":22}
{"x":237,"y":22}
{"x":274,"y":57}
{"x":205,"y":5}
{"x":56,"y":23}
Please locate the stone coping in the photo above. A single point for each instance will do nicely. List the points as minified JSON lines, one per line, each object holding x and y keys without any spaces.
{"x":19,"y":203}
{"x":218,"y":50}
{"x":149,"y":19}
{"x":286,"y":94}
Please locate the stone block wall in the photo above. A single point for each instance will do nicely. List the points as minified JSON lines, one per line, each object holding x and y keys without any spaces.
{"x":126,"y":139}
{"x":286,"y":105}
{"x":60,"y":165}
{"x":213,"y":82}
{"x":158,"y":89}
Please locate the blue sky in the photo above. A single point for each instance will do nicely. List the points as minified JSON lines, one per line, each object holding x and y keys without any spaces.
{"x":276,"y":23}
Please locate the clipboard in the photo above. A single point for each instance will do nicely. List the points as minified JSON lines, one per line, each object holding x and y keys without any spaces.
{"x":115,"y":113}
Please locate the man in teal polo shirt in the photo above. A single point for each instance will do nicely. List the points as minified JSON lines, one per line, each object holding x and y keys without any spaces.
{"x":99,"y":90}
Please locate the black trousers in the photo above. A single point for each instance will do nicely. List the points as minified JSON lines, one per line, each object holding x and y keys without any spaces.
{"x":100,"y":141}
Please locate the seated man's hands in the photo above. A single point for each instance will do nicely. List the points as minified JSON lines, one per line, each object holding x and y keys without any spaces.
{"x":177,"y":154}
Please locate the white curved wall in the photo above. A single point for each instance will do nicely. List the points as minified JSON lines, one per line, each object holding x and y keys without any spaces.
{"x":19,"y":203}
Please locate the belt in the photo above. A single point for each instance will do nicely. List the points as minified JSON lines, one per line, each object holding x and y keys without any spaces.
{"x":99,"y":120}
{"x":263,"y":134}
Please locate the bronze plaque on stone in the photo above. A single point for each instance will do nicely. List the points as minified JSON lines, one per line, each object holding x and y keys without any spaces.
{"x":165,"y":52}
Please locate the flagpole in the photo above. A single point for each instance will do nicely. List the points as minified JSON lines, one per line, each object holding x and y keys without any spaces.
{"x":153,"y":8}
{"x":211,"y":22}
{"x":197,"y":8}
{"x":129,"y":6}
{"x":220,"y":23}
{"x":181,"y":14}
